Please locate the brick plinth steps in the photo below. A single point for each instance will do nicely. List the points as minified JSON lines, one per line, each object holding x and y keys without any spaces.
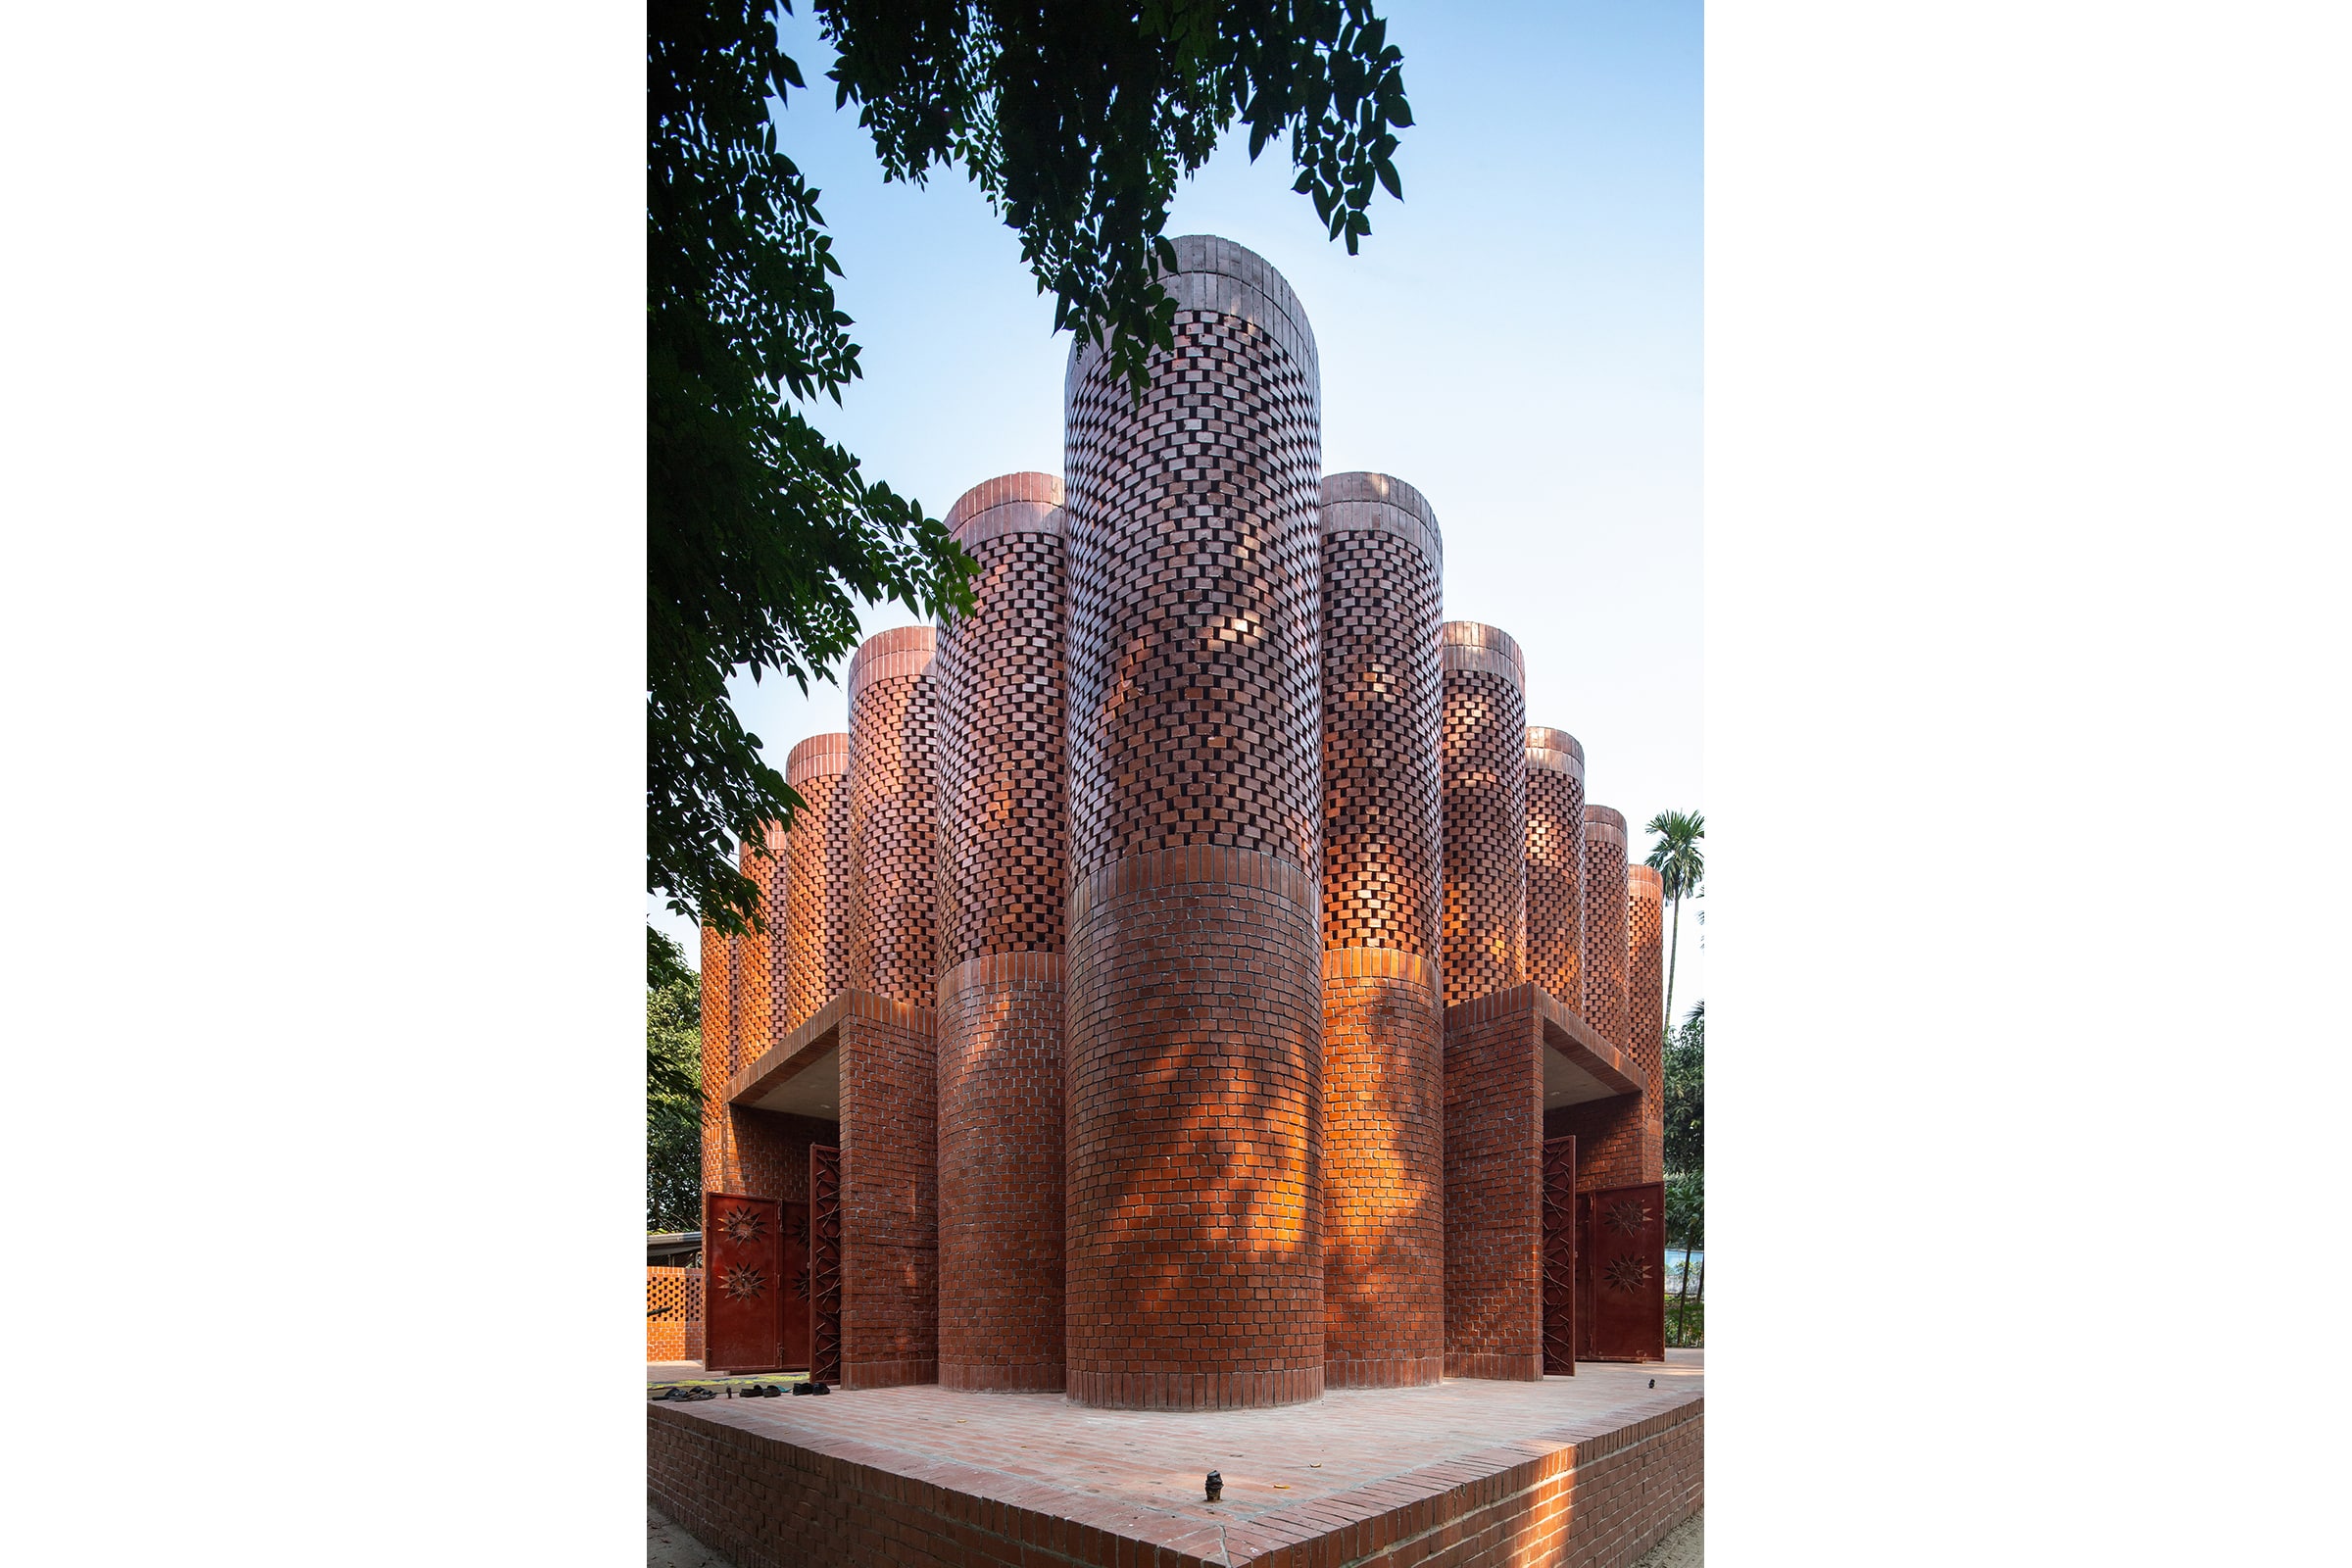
{"x":1590,"y":1470}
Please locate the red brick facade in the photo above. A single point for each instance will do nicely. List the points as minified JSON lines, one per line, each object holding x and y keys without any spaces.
{"x":1483,"y":760}
{"x":1002,"y":855}
{"x":1494,"y":1187}
{"x":1556,"y":863}
{"x":893,"y":811}
{"x":1384,"y":1235}
{"x":816,"y":904}
{"x":1646,"y":1007}
{"x":1193,"y":1025}
{"x":1605,"y":924}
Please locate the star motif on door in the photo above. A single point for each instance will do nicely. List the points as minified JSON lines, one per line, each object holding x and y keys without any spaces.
{"x":743,"y":1225}
{"x":1627,"y":1274}
{"x":1628,"y":1216}
{"x":744,"y":1284}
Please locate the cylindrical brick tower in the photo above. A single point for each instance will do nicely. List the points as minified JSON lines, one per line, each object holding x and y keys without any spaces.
{"x":1646,"y":1007}
{"x":719,"y":1051}
{"x":759,"y":952}
{"x":1484,"y":758}
{"x":893,"y":816}
{"x":1001,"y":853}
{"x":1555,"y":864}
{"x":1194,"y":1022}
{"x":816,"y":904}
{"x":1383,"y":1036}
{"x":1605,"y":924}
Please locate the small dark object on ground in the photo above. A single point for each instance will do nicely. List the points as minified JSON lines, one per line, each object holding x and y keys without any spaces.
{"x":803,"y":1388}
{"x":1215,"y":1486}
{"x":1654,"y":1383}
{"x":816,"y":1386}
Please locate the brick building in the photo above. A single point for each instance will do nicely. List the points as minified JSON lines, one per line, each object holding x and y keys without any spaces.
{"x":1190,"y":981}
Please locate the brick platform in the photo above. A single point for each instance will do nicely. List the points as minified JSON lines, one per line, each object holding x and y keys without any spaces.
{"x":1592,"y":1470}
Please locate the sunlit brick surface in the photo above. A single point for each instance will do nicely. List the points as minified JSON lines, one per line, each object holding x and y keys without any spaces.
{"x":719,"y":1051}
{"x":759,"y":952}
{"x":1556,"y":863}
{"x":1000,"y":690}
{"x":1604,"y":925}
{"x":1194,"y":1012}
{"x":1494,"y":1187}
{"x":893,"y":816}
{"x":817,"y":905}
{"x":1483,"y":764}
{"x":1583,"y":1472}
{"x":1646,"y":1007}
{"x":1383,"y":1243}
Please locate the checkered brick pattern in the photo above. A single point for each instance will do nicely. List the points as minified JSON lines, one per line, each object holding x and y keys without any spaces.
{"x":1000,"y":691}
{"x":759,"y":952}
{"x":1002,"y":865}
{"x":817,"y":905}
{"x":1645,"y":1008}
{"x":1604,"y":925}
{"x":1556,"y":863}
{"x":893,"y":812}
{"x":1383,"y":1242}
{"x":1483,"y":767}
{"x":1194,"y":997}
{"x":1383,"y":831}
{"x":719,"y":1051}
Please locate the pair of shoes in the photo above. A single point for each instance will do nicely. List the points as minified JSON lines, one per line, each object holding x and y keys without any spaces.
{"x":811,"y":1387}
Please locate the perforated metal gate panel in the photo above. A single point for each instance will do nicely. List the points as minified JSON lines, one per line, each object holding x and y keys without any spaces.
{"x":1559,"y":1254}
{"x":745,"y":1285}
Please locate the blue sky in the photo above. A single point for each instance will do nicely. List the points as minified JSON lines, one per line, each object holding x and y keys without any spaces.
{"x":1519,"y":338}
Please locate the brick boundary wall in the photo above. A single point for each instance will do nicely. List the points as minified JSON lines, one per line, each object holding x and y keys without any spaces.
{"x":1586,"y":1495}
{"x":1384,"y":1150}
{"x":1556,"y":863}
{"x":816,"y":903}
{"x":1485,"y":781}
{"x":1003,"y":853}
{"x":1194,"y":1023}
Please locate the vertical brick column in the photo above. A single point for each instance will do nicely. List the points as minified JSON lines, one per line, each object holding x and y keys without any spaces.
{"x":1485,"y":772}
{"x":1194,"y":1023}
{"x":760,"y":951}
{"x":1384,"y":1147}
{"x":816,"y":904}
{"x":1002,"y":858}
{"x":1555,"y":864}
{"x":1646,"y":1007}
{"x":893,"y":816}
{"x":718,"y":1053}
{"x":1604,"y":925}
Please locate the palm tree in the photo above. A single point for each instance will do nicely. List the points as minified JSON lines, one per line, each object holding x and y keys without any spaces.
{"x":1682,"y":867}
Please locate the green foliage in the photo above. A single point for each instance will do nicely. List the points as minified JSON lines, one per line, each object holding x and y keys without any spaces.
{"x":1686,"y":1209}
{"x":1686,"y":1092}
{"x":1682,"y":869}
{"x":1686,"y":1321}
{"x":673,"y":1073}
{"x":1076,"y":120}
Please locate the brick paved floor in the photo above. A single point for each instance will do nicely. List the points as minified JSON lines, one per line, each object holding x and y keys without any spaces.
{"x":1154,"y":1461}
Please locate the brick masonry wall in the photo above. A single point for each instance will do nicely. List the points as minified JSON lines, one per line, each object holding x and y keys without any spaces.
{"x":1193,"y":1013}
{"x":719,"y":1051}
{"x":1646,"y":1007}
{"x":1484,"y":766}
{"x":1383,"y":1155}
{"x":817,"y":905}
{"x":1577,"y":1499}
{"x":1604,"y":926}
{"x":894,"y":816}
{"x":888,"y":1193}
{"x":1002,"y":854}
{"x":1556,"y":863}
{"x":760,"y":951}
{"x":1494,"y":1187}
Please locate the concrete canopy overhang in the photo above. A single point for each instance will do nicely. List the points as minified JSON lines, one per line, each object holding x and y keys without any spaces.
{"x":1579,"y":1065}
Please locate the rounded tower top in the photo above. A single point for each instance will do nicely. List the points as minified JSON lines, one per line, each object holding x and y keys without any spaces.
{"x":1605,"y":823}
{"x":1470,"y":645}
{"x":1379,"y":503}
{"x":900,"y":651}
{"x":1012,"y":503}
{"x":1556,"y":749}
{"x":1216,"y":274}
{"x":1643,"y":882}
{"x":816,"y":756}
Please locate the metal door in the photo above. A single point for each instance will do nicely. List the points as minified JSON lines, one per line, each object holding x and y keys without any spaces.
{"x":1559,"y":1254}
{"x":743,"y":1283}
{"x":1622,"y":1230}
{"x":794,"y":1357}
{"x":824,"y":1264}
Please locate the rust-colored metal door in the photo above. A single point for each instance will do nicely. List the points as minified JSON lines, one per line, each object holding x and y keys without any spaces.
{"x":1559,"y":1254}
{"x":743,"y":1283}
{"x":824,"y":1264}
{"x":793,"y":1358}
{"x":1622,"y":1230}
